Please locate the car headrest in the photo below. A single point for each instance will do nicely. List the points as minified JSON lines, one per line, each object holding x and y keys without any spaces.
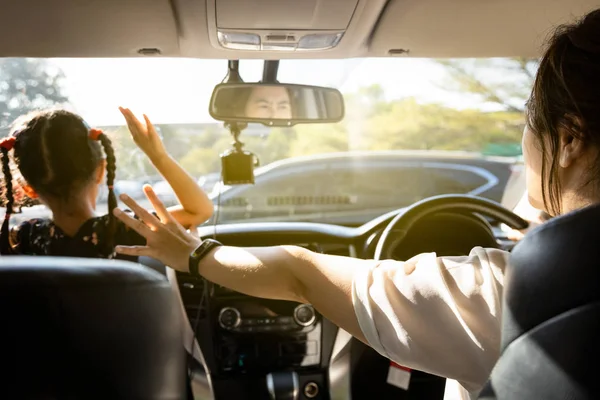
{"x":85,"y":328}
{"x":551,"y":314}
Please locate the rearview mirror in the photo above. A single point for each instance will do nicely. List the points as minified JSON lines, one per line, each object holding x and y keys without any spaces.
{"x":276,"y":104}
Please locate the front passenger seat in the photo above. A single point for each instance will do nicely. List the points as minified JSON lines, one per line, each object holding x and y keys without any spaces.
{"x":88,"y":329}
{"x":551,"y":317}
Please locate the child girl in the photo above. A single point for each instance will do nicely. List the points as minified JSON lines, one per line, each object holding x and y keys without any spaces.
{"x":63,"y":162}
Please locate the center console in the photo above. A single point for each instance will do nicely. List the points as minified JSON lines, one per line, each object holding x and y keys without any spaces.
{"x":255,"y":334}
{"x":257,"y":348}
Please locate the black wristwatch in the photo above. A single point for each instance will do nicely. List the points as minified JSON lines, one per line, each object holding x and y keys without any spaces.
{"x":201,"y":251}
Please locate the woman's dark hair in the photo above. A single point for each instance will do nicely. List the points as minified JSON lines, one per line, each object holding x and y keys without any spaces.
{"x":57,"y":154}
{"x":566,"y":95}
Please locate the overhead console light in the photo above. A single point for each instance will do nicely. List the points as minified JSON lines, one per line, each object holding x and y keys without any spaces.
{"x":239,"y":40}
{"x":285,"y":41}
{"x":320,"y":41}
{"x":279,"y":47}
{"x":288,"y":26}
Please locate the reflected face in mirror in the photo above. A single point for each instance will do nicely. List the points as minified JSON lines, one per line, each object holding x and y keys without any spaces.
{"x":269,"y":102}
{"x":276,"y":104}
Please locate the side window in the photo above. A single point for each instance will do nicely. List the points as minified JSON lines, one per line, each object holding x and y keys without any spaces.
{"x":454,"y":181}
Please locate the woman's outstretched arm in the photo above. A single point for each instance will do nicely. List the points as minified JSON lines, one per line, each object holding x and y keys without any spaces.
{"x":282,"y":272}
{"x":435,"y":314}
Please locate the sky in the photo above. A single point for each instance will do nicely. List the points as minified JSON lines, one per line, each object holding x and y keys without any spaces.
{"x":178,"y":90}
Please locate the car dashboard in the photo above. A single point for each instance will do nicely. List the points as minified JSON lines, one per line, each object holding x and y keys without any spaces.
{"x":248,"y":343}
{"x":242,"y":339}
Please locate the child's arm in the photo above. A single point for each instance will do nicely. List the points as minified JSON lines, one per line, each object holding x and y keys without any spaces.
{"x":195,"y":206}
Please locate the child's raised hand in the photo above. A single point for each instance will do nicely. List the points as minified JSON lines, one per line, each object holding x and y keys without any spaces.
{"x":145,"y":137}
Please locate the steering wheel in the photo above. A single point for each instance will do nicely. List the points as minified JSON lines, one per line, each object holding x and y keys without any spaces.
{"x":398,"y":228}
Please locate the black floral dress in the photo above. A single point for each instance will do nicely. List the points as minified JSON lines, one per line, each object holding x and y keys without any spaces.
{"x":41,"y":237}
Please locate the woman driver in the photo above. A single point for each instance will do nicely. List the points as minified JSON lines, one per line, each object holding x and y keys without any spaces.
{"x":436,"y":314}
{"x":265,"y":102}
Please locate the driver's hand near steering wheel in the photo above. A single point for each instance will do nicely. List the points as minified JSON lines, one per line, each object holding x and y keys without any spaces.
{"x":534,"y":216}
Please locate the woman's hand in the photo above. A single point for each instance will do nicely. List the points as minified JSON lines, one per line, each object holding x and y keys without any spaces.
{"x":166,"y":239}
{"x":145,"y":137}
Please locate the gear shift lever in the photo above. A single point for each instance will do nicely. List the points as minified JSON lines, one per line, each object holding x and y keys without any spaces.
{"x":283,"y":385}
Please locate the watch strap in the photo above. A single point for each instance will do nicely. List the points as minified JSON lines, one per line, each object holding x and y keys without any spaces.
{"x":201,"y":251}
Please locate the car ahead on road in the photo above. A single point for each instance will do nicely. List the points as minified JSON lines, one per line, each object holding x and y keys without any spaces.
{"x":352,"y":188}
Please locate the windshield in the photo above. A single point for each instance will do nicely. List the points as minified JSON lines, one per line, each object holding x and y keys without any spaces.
{"x":413,"y":128}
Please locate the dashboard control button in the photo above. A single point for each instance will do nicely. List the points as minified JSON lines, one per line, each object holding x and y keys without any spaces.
{"x":304,"y":315}
{"x":229,"y":318}
{"x":285,"y":320}
{"x":311,"y":390}
{"x":267,"y":328}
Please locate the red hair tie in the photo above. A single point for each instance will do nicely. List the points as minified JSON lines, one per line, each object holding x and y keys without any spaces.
{"x":8,"y":142}
{"x":95,"y":134}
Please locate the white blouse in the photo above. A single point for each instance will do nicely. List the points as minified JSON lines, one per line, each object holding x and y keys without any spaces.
{"x":436,"y":314}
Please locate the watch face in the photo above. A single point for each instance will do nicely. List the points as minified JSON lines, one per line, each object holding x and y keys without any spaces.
{"x":199,"y":250}
{"x":202,"y":248}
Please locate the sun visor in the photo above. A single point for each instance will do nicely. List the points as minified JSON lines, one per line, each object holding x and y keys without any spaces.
{"x":86,"y":28}
{"x":471,"y":28}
